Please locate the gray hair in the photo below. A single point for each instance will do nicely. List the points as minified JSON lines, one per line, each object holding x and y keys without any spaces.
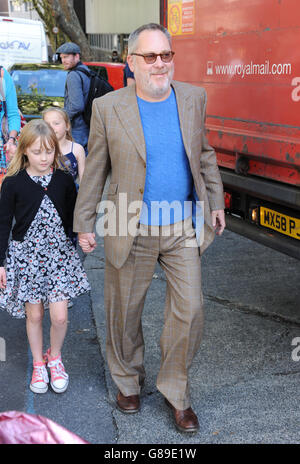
{"x":133,"y":38}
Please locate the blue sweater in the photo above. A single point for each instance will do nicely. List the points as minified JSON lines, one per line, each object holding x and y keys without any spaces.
{"x":14,"y":120}
{"x":168,"y":174}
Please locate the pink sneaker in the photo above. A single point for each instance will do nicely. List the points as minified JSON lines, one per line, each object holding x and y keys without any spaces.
{"x":40,"y":379}
{"x":59,"y":378}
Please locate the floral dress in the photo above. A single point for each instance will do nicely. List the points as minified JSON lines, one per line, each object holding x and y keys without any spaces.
{"x":45,"y":266}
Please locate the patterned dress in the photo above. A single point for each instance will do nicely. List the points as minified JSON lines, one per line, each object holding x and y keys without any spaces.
{"x":45,"y":265}
{"x":71,"y":163}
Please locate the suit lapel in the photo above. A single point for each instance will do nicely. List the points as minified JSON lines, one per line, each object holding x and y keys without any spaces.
{"x":185,"y":110}
{"x":129,"y":115}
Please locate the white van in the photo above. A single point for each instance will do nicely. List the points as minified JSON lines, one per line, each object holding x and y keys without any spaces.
{"x":22,"y":41}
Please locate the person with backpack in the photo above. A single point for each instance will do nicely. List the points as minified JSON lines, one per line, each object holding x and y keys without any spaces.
{"x":76,"y":91}
{"x":82,"y":86}
{"x":10,"y":121}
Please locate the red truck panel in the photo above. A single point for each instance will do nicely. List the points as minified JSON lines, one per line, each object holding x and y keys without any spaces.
{"x":245,"y":54}
{"x":114,"y":72}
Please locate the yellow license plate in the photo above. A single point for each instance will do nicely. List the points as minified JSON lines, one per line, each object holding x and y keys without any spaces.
{"x":280,"y":222}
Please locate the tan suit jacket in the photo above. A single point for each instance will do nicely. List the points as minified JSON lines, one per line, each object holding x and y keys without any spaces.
{"x":117,"y":145}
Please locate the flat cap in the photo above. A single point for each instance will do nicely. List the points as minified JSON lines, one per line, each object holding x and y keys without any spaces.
{"x":68,"y":47}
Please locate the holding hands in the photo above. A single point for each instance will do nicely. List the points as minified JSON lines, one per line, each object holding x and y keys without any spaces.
{"x":2,"y":278}
{"x":87,"y":241}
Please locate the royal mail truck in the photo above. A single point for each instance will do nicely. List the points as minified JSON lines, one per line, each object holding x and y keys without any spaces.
{"x":245,"y":54}
{"x":22,"y":41}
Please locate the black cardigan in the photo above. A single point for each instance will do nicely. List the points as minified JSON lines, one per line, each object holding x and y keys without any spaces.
{"x":21,"y":198}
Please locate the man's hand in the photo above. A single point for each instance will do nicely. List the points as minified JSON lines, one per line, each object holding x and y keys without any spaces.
{"x":218,"y":221}
{"x":87,"y":241}
{"x":2,"y":278}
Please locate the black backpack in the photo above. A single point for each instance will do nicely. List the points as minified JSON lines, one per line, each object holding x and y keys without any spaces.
{"x":98,"y":88}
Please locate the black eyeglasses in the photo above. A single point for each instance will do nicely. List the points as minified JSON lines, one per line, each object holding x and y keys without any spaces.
{"x":150,"y":58}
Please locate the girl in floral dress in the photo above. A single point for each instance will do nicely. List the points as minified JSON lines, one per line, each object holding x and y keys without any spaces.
{"x":40,"y":263}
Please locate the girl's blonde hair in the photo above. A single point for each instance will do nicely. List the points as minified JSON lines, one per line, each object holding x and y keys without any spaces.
{"x":65,"y":117}
{"x":31,"y":131}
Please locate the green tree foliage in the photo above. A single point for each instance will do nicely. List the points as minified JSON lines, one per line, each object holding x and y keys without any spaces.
{"x":68,"y":22}
{"x":61,"y":14}
{"x":45,"y":12}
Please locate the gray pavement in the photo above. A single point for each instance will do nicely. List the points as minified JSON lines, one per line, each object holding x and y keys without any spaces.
{"x":244,"y":383}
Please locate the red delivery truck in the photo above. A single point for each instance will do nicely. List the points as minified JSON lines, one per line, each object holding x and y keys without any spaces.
{"x":245,"y":54}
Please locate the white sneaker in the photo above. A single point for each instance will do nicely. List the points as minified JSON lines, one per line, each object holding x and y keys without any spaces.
{"x":59,"y":378}
{"x":40,"y":379}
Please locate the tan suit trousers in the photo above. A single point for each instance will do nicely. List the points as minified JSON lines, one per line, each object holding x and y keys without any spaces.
{"x":125,"y":292}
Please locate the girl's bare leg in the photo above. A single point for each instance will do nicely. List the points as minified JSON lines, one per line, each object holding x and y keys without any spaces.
{"x":59,"y":324}
{"x":34,"y":327}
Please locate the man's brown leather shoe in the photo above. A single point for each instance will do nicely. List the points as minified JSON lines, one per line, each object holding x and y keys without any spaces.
{"x":185,"y":420}
{"x":128,"y":404}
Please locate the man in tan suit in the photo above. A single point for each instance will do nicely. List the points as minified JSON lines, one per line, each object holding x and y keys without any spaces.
{"x":150,"y":137}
